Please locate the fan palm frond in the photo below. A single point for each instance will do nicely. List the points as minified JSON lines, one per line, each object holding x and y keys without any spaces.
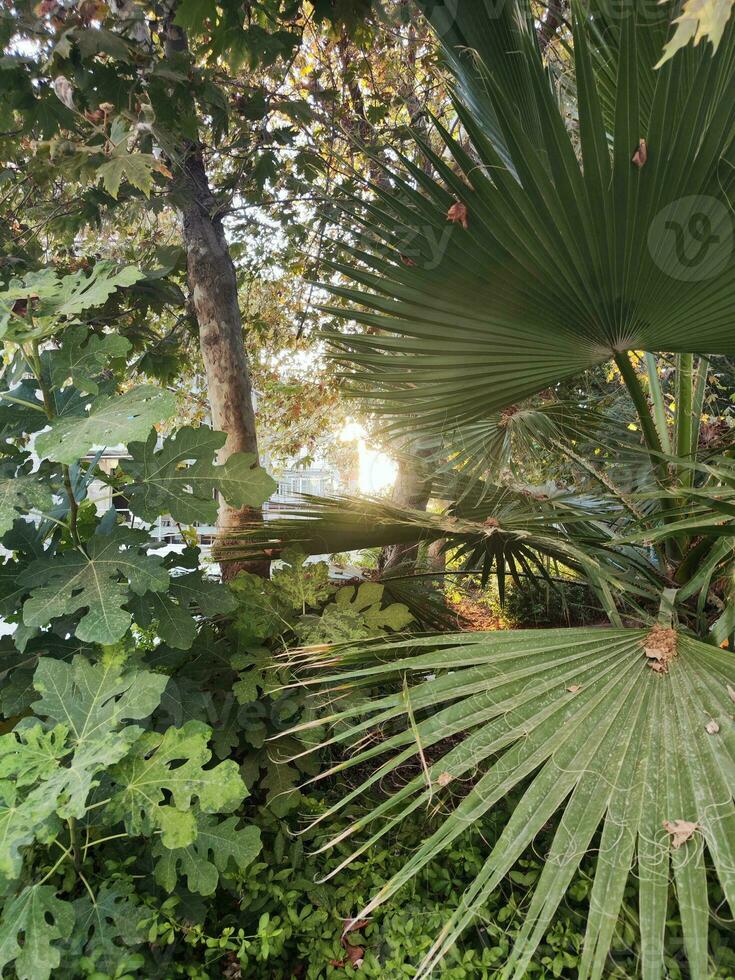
{"x":500,"y":531}
{"x":564,"y":262}
{"x":623,"y":737}
{"x":544,"y":246}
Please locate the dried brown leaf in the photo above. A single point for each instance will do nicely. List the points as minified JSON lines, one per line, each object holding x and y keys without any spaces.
{"x":355,"y":956}
{"x":458,"y":214}
{"x":354,"y":925}
{"x":712,"y":727}
{"x":680,"y":830}
{"x":641,"y":154}
{"x":660,"y":648}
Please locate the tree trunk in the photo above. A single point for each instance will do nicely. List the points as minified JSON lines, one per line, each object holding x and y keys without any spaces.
{"x":412,"y":489}
{"x":436,"y":556}
{"x":213,"y":291}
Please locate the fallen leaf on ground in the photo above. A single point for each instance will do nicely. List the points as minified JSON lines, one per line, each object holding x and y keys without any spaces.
{"x":354,"y":925}
{"x":356,"y":956}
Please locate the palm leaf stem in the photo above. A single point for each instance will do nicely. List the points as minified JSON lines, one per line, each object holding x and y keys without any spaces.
{"x":700,"y":388}
{"x":657,"y":401}
{"x":635,"y":390}
{"x":650,"y":433}
{"x":684,"y":408}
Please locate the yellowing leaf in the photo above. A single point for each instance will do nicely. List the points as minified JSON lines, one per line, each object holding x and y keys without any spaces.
{"x":698,"y":19}
{"x":166,"y":772}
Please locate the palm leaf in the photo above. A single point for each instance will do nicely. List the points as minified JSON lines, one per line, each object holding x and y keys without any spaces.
{"x":483,"y":449}
{"x":566,"y":262}
{"x":496,"y":530}
{"x":612,"y":750}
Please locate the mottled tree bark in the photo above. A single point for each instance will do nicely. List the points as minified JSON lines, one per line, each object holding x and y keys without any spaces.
{"x":213,"y":292}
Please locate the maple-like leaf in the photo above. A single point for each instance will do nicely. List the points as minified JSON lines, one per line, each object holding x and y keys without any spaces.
{"x":171,"y":765}
{"x":110,"y":421}
{"x":32,"y":927}
{"x":356,"y":614}
{"x":20,"y":494}
{"x":136,"y":169}
{"x":93,"y":701}
{"x":32,"y":754}
{"x":190,"y":594}
{"x":99,"y":580}
{"x":106,"y":925}
{"x":247,"y":686}
{"x":173,"y":479}
{"x":173,"y":611}
{"x":243,"y":483}
{"x":20,"y":820}
{"x":181,"y":478}
{"x":262,"y":611}
{"x":51,"y":298}
{"x":83,"y":356}
{"x":217,"y":846}
{"x":337,"y":624}
{"x":303,"y":585}
{"x":50,"y":763}
{"x":281,"y":781}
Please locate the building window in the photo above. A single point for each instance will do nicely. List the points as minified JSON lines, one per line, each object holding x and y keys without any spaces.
{"x":120,"y":503}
